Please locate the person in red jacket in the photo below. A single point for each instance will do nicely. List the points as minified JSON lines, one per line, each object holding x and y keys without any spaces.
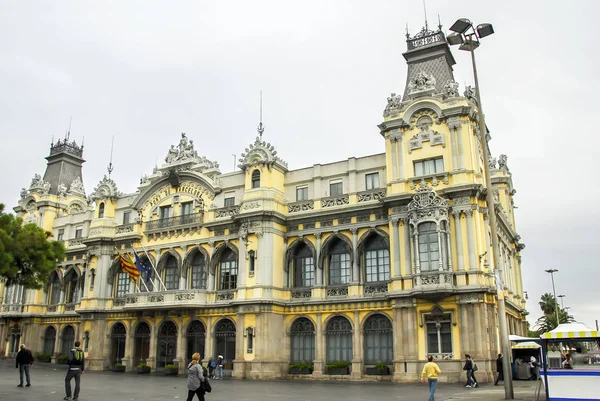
{"x":24,"y":360}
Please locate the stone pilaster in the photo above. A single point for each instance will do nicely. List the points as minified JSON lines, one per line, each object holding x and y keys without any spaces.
{"x":407,"y":264}
{"x":459,"y":246}
{"x":355,"y":269}
{"x":357,"y":349}
{"x":241,"y":278}
{"x":396,"y":234}
{"x":318,"y":267}
{"x":239,"y":368}
{"x":471,"y":238}
{"x":319,"y":362}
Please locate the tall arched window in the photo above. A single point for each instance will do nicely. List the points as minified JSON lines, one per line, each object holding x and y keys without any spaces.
{"x":255,"y":179}
{"x":304,"y":266}
{"x":72,"y":287}
{"x":339,"y":262}
{"x":377,"y":259}
{"x":49,"y":340}
{"x":302,"y":336}
{"x":54,"y":295}
{"x":68,"y":340}
{"x":166,"y":344}
{"x":101,"y":210}
{"x":122,"y":284}
{"x":142,"y":343}
{"x":339,"y":340}
{"x":429,"y":249}
{"x":170,"y":277}
{"x":378,"y":340}
{"x":228,"y":270}
{"x":196,"y":337}
{"x":198,"y":271}
{"x":118,"y":337}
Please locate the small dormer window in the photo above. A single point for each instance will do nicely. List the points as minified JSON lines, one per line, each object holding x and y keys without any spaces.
{"x":255,"y":179}
{"x":101,"y":211}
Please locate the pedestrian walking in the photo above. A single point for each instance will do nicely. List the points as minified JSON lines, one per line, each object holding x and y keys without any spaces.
{"x":431,"y":370}
{"x":24,"y":361}
{"x":500,"y":370}
{"x":195,"y":378}
{"x":469,"y":368}
{"x":76,"y":368}
{"x":212,"y":364}
{"x":220,"y":362}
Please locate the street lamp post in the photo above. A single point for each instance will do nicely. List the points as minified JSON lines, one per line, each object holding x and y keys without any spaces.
{"x":552,"y":271}
{"x":562,"y":306}
{"x":469,"y":41}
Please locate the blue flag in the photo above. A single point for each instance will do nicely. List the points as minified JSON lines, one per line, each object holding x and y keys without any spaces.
{"x":142,"y":267}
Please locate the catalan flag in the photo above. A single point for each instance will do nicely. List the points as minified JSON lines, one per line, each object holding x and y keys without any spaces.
{"x":128,"y":267}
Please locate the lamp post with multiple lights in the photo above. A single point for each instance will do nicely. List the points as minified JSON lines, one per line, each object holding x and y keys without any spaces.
{"x":465,"y":35}
{"x":562,"y":306}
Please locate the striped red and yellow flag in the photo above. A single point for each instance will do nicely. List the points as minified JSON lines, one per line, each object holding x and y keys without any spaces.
{"x":128,"y":267}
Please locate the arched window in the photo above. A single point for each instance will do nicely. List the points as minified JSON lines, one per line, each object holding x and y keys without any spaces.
{"x":304,"y":266}
{"x":255,"y":179}
{"x":68,"y":340}
{"x":302,"y":336}
{"x":144,"y":276}
{"x":225,"y":335}
{"x":429,"y":249}
{"x":377,"y":259}
{"x":118,"y":336}
{"x":72,"y":287}
{"x":198,"y":271}
{"x":228,"y":270}
{"x":166,"y":344}
{"x":378,"y":340}
{"x":142,"y":343}
{"x":339,"y":262}
{"x":439,"y":332}
{"x":54,"y":295}
{"x":196,"y":336}
{"x":339,"y":340}
{"x":170,"y":276}
{"x":122,"y":281}
{"x":49,"y":340}
{"x":101,"y":210}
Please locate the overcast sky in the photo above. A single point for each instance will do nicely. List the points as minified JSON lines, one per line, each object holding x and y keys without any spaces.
{"x":146,"y":71}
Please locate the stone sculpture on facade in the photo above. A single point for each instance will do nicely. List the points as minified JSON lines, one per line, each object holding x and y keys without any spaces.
{"x":106,"y":189}
{"x":421,"y":82}
{"x":37,"y":181}
{"x":502,"y":162}
{"x":260,"y":153}
{"x":77,"y":186}
{"x":492,"y":162}
{"x":469,"y":93}
{"x":450,"y":90}
{"x":394,"y":104}
{"x":62,"y":190}
{"x":185,"y":151}
{"x":426,"y":134}
{"x":24,"y":193}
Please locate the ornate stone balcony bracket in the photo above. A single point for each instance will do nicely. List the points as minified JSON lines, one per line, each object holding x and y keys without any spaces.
{"x":124,"y":229}
{"x":225,"y":296}
{"x":227,"y":212}
{"x":434,"y":179}
{"x":372,"y":289}
{"x":301,"y":293}
{"x":337,"y":291}
{"x":372,"y":195}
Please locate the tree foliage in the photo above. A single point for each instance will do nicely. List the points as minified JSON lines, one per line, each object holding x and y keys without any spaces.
{"x":27,"y":255}
{"x":548,"y":321}
{"x":548,"y":304}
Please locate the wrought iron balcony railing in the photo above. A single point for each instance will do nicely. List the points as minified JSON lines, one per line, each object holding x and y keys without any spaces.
{"x":173,"y":222}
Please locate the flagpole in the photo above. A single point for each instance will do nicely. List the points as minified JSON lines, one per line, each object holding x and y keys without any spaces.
{"x":143,"y":281}
{"x":134,"y":281}
{"x":154,"y":268}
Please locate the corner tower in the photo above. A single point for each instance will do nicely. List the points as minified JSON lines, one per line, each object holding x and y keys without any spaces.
{"x":64,"y":165}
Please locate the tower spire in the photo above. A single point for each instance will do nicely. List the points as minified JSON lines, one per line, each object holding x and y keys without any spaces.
{"x":110,"y":167}
{"x":261,"y":128}
{"x":68,"y":135}
{"x":425,"y":12}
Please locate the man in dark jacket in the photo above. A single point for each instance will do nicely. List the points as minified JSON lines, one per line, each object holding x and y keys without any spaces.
{"x":24,"y":360}
{"x":500,"y":370}
{"x":76,"y":368}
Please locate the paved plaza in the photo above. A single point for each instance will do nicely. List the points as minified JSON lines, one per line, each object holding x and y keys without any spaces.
{"x":48,"y":385}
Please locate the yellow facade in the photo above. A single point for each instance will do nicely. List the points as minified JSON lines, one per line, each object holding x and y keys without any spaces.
{"x":379,"y":259}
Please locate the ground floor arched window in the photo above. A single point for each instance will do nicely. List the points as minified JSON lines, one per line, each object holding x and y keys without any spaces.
{"x":225,"y":334}
{"x":302,"y":339}
{"x":118,"y":337}
{"x":378,"y":340}
{"x":339,"y":340}
{"x":196,"y":337}
{"x":166,"y":346}
{"x":49,"y":340}
{"x":68,"y":340}
{"x":142,"y":343}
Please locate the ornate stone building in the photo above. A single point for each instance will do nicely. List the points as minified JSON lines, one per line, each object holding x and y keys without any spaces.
{"x":378,"y":259}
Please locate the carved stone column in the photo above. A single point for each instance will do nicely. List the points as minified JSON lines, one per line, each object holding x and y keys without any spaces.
{"x":319,"y":362}
{"x":400,"y":157}
{"x":407,"y":264}
{"x":453,"y":125}
{"x":240,"y":350}
{"x":488,"y":251}
{"x":318,"y":270}
{"x":286,"y":266}
{"x":394,"y":158}
{"x":357,"y":349}
{"x":461,"y":151}
{"x":396,"y":232}
{"x":211,"y":272}
{"x":209,"y":340}
{"x":355,"y":270}
{"x":459,"y":245}
{"x":129,"y":347}
{"x":151,"y":361}
{"x":448,"y":246}
{"x":416,"y":250}
{"x":438,"y":229}
{"x":479,"y":352}
{"x":180,"y":354}
{"x":471,"y":238}
{"x":241,"y":278}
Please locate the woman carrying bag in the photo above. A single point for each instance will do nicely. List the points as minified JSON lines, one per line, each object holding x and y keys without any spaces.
{"x":195,"y":379}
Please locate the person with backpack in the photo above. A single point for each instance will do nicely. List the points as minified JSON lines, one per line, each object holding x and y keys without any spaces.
{"x":195,"y":378}
{"x":76,"y":368}
{"x":220,"y":360}
{"x":24,"y":360}
{"x":212,"y":364}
